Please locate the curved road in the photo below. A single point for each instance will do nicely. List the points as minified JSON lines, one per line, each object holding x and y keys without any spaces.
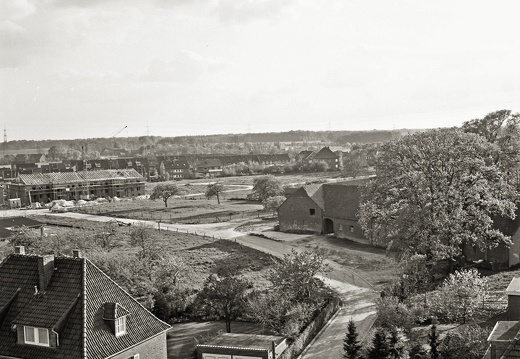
{"x":358,"y":302}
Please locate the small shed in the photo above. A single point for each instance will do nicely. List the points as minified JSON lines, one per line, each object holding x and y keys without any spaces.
{"x":513,"y":299}
{"x":242,"y":346}
{"x":503,"y":338}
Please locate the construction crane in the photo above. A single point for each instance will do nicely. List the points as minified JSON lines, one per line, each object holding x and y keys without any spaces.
{"x":118,"y":132}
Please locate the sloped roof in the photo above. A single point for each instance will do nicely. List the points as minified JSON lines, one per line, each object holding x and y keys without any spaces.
{"x":324,"y":153}
{"x":72,"y":304}
{"x":313,"y":191}
{"x":342,"y":198}
{"x":76,"y":177}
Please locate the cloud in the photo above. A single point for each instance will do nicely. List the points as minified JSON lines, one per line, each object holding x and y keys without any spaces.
{"x":185,"y":67}
{"x":250,"y":10}
{"x":15,"y":9}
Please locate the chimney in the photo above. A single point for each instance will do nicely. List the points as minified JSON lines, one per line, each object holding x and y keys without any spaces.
{"x":19,"y":250}
{"x":76,"y":253}
{"x":45,"y":270}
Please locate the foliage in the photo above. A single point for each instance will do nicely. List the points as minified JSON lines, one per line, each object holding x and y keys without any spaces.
{"x":501,"y":127}
{"x":392,"y":313}
{"x":434,"y":191}
{"x":433,"y":341}
{"x":164,"y":191}
{"x":214,"y":189}
{"x":355,"y":163}
{"x":273,"y":203}
{"x":380,"y":349}
{"x":351,"y":344}
{"x":459,"y":296}
{"x":222,"y":297}
{"x":295,"y":272}
{"x":267,"y":186}
{"x":397,"y":344}
{"x":468,"y":342}
{"x":141,"y":236}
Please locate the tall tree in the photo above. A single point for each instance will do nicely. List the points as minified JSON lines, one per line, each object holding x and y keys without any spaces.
{"x":164,"y":191}
{"x":351,"y":344}
{"x":214,"y":189}
{"x":397,"y":344}
{"x":380,"y":349}
{"x":267,"y":186}
{"x":435,"y":191}
{"x":224,"y":297}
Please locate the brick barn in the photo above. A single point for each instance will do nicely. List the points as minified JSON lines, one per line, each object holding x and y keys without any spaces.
{"x":323,"y":209}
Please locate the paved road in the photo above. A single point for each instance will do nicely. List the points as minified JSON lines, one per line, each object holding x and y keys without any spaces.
{"x":358,"y":301}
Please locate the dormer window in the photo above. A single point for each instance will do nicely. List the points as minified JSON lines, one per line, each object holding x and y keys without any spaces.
{"x":120,"y":326}
{"x":115,"y":316}
{"x":36,"y":336}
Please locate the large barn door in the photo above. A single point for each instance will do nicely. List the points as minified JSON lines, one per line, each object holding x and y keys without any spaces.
{"x":328,"y":226}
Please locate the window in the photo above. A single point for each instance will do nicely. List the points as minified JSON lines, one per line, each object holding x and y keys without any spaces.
{"x":120,"y":326}
{"x":352,"y":228}
{"x":36,"y":336}
{"x":312,"y":211}
{"x":135,"y":356}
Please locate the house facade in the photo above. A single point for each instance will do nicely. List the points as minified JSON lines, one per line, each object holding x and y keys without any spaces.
{"x":66,"y":307}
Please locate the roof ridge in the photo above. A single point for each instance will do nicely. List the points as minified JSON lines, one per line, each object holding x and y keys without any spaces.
{"x":84,"y":311}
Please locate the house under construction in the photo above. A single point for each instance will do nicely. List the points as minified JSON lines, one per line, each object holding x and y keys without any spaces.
{"x":46,"y":187}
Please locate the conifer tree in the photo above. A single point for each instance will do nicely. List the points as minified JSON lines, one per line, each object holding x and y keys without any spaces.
{"x":351,"y":345}
{"x":434,"y":342}
{"x":397,"y":344}
{"x":380,"y":348}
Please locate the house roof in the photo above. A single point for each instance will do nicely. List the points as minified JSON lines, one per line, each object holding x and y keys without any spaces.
{"x":246,"y":341}
{"x":324,"y":153}
{"x":72,"y":177}
{"x":16,"y":222}
{"x":342,"y":198}
{"x":514,"y":287}
{"x":72,"y":304}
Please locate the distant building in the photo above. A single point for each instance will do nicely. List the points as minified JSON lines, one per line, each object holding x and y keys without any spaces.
{"x":47,"y":187}
{"x":332,"y":159}
{"x":67,"y":308}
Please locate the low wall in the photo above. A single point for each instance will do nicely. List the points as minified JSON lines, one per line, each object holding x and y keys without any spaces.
{"x":308,"y":334}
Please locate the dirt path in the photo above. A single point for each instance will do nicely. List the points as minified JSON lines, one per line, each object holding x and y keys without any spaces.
{"x":358,"y":301}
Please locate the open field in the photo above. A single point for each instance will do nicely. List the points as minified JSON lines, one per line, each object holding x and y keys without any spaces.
{"x":202,"y":255}
{"x":189,"y":211}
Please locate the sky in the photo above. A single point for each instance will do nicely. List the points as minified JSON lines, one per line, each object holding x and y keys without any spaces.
{"x":88,"y":68}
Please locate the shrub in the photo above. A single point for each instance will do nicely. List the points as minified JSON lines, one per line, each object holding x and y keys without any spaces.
{"x":392,"y":313}
{"x":469,"y":342}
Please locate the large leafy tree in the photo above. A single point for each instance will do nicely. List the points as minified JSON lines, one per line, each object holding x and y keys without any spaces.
{"x":435,"y":191}
{"x":164,"y":191}
{"x":214,"y":189}
{"x":502,"y":128}
{"x":223,"y":297}
{"x":295,"y":273}
{"x":267,"y":186}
